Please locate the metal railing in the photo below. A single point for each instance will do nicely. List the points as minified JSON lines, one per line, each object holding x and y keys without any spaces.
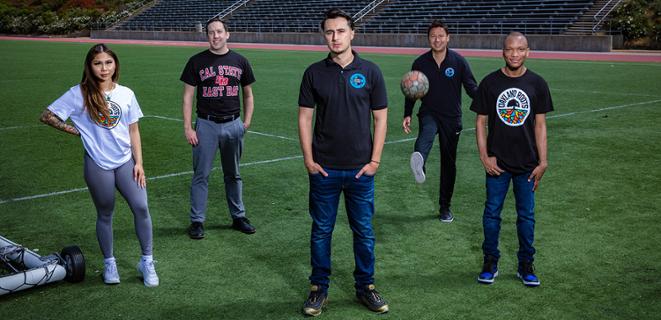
{"x":603,"y":15}
{"x":364,"y":11}
{"x":495,"y":26}
{"x":227,"y":11}
{"x":529,"y":26}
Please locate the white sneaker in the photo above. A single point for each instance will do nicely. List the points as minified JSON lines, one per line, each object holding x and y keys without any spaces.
{"x":417,"y":164}
{"x":148,"y":273}
{"x":110,"y":273}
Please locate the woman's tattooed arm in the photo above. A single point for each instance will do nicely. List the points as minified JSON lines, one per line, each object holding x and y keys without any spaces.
{"x":49,"y":118}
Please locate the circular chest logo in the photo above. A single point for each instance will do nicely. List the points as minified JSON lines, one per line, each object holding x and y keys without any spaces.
{"x":115,"y":113}
{"x":513,"y":107}
{"x":449,"y":72}
{"x":357,"y":80}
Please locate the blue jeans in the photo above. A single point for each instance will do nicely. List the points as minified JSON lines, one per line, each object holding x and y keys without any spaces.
{"x":497,"y":187}
{"x":359,"y":204}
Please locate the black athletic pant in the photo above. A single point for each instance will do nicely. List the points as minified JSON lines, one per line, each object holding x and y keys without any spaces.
{"x":448,"y":130}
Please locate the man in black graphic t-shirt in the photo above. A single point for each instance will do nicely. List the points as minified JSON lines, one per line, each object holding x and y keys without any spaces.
{"x":512,"y":102}
{"x":218,"y":73}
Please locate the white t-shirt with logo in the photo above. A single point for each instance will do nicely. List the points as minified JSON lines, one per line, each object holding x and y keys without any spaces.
{"x":108,"y":143}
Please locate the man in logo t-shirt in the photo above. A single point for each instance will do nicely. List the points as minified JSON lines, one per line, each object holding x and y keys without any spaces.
{"x":512,"y":102}
{"x":217,"y":73}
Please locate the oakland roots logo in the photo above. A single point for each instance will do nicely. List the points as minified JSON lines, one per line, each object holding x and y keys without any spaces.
{"x":115,"y":113}
{"x":513,"y":107}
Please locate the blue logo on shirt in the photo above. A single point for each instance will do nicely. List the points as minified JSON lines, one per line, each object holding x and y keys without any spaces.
{"x":449,"y":72}
{"x":357,"y":80}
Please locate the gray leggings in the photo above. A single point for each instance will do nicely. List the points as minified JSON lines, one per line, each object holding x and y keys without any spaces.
{"x":101,"y":184}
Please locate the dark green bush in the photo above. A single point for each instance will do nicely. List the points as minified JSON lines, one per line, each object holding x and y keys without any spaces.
{"x":62,"y":16}
{"x":639,"y":21}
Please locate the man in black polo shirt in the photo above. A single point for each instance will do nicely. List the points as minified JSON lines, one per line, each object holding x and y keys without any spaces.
{"x":341,"y":156}
{"x":218,"y":73}
{"x":440,"y":112}
{"x":512,"y":102}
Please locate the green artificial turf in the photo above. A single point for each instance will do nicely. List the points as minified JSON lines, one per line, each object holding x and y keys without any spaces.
{"x":598,"y":224}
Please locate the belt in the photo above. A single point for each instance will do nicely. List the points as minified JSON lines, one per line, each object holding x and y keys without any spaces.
{"x":217,"y":119}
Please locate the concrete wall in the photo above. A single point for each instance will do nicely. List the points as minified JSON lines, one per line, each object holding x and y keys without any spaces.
{"x":597,"y":43}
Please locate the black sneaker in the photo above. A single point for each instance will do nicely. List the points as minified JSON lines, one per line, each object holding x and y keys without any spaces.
{"x":372,"y":299}
{"x":527,"y":275}
{"x":315,"y":302}
{"x":196,"y":230}
{"x":489,"y":270}
{"x":243,"y":225}
{"x":446,"y":215}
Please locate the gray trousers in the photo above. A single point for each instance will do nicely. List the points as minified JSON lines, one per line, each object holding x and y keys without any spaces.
{"x":102,"y":184}
{"x":211,"y":136}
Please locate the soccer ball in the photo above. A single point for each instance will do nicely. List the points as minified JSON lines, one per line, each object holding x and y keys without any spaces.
{"x":414,"y":85}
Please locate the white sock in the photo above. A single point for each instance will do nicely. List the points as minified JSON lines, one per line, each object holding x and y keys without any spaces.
{"x":147,"y":259}
{"x":110,"y":260}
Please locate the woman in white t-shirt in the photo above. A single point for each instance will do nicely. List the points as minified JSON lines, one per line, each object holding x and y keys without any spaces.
{"x":105,"y":115}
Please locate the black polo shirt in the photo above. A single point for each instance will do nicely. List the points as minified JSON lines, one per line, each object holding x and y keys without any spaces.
{"x":344,"y":99}
{"x":444,"y":96}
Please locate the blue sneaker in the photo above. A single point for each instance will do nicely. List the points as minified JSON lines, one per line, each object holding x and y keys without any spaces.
{"x":527,"y":275}
{"x":489,"y":270}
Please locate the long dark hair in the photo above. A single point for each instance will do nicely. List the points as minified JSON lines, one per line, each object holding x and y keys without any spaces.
{"x":93,"y":98}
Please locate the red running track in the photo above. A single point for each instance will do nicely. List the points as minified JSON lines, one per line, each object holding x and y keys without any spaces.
{"x":619,"y":56}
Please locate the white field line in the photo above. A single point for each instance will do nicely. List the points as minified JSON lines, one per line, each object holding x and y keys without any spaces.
{"x":162,"y":118}
{"x":604,"y":109}
{"x":560,"y":116}
{"x":272,"y":135}
{"x":249,"y":131}
{"x":609,"y":93}
{"x":165,"y":118}
{"x":45,"y":195}
{"x":20,"y":127}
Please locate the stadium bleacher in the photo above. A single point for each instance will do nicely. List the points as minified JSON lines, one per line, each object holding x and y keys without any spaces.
{"x":288,"y":15}
{"x":175,"y":15}
{"x":478,"y":16}
{"x":393,"y":16}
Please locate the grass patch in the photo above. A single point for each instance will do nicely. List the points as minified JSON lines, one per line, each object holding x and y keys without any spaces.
{"x":597,"y":230}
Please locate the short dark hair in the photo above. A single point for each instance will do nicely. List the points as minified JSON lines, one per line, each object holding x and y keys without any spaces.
{"x":333,"y":13}
{"x":216,"y":19}
{"x":437,"y":24}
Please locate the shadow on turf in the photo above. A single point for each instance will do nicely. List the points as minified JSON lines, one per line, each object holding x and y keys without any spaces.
{"x":180,"y":231}
{"x":271,"y":310}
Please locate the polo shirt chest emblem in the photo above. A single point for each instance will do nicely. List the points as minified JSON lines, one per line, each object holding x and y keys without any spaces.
{"x":513,"y":107}
{"x":357,"y":80}
{"x":449,"y":72}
